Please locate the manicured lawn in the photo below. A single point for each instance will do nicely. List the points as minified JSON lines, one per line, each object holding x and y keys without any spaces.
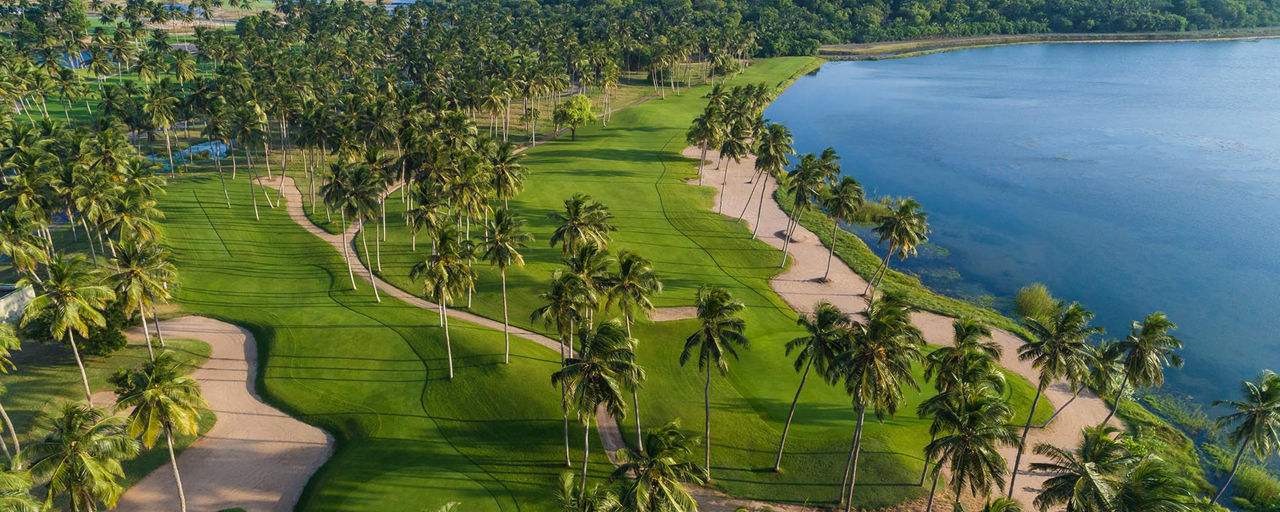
{"x":46,"y":377}
{"x":372,"y":374}
{"x":634,"y":167}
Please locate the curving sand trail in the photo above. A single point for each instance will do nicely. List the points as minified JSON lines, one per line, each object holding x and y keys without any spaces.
{"x":255,"y":457}
{"x":801,"y":286}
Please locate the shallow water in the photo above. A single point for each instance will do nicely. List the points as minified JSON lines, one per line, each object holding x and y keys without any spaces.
{"x":1130,"y":177}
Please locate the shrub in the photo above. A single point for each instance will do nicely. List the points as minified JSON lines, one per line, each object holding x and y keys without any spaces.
{"x":1035,"y":301}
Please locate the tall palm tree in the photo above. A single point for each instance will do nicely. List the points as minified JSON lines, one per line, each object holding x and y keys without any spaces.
{"x":958,"y":371}
{"x":502,"y":249}
{"x":1056,"y":349}
{"x":654,"y":474}
{"x":1151,"y":485}
{"x":826,"y":337}
{"x":506,"y":173}
{"x":565,"y":303}
{"x":1256,"y":418}
{"x":584,"y":221}
{"x":905,"y":228}
{"x":630,"y":289}
{"x":773,"y":148}
{"x":720,"y":335}
{"x":975,"y":427}
{"x":842,"y":202}
{"x":1147,"y":350}
{"x":15,"y":492}
{"x":874,"y":368}
{"x":80,"y":456}
{"x":733,"y":147}
{"x":805,"y":184}
{"x":1085,"y":478}
{"x":445,"y":274}
{"x":71,"y":300}
{"x":9,"y":342}
{"x":161,"y":107}
{"x":570,"y":499}
{"x":702,"y":133}
{"x":163,"y":399}
{"x":336,"y":194}
{"x":141,"y":273}
{"x":596,"y":378}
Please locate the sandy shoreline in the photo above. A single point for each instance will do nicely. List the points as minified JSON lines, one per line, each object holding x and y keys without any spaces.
{"x":801,"y":287}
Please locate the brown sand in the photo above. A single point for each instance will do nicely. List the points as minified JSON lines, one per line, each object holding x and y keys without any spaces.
{"x":255,"y":457}
{"x":801,"y":286}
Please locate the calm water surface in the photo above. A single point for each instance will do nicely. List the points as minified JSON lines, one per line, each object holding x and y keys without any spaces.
{"x":1130,"y":177}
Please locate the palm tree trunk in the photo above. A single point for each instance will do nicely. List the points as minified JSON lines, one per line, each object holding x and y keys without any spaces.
{"x":706,"y":434}
{"x":586,"y":456}
{"x":932,"y":489}
{"x":1021,"y":446}
{"x":723,"y":182}
{"x":1119,"y":396}
{"x":168,"y":148}
{"x":786,"y":234}
{"x":925,"y":470}
{"x":448,"y":345}
{"x":13,"y":433}
{"x":1075,"y":392}
{"x":253,"y":197}
{"x":223,"y":179}
{"x":347,"y":257}
{"x":173,"y":462}
{"x":701,"y":162}
{"x":835,"y":230}
{"x":364,"y":240}
{"x":759,"y":209}
{"x":884,"y":265}
{"x":506,"y":324}
{"x":853,"y":458}
{"x":777,"y":463}
{"x":564,"y":400}
{"x":146,"y":332}
{"x":635,"y":389}
{"x":1235,"y":466}
{"x":155,"y":318}
{"x":84,"y":377}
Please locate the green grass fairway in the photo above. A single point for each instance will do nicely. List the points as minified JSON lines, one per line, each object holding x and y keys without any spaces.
{"x":634,"y":167}
{"x":371,"y":374}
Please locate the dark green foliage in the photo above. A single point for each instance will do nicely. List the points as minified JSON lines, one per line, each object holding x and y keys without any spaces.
{"x":101,"y":341}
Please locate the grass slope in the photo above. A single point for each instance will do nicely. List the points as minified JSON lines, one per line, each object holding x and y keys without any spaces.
{"x":371,"y":374}
{"x":634,"y":167}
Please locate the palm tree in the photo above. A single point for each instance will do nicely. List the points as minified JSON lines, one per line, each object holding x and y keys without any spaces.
{"x":502,"y":249}
{"x":15,"y":492}
{"x":570,"y":499}
{"x":565,"y":302}
{"x":70,"y":300}
{"x":996,"y":505}
{"x":805,"y":184}
{"x":584,"y":221}
{"x":1087,"y":477}
{"x":1256,"y":418}
{"x":1152,"y":486}
{"x":720,"y":334}
{"x":141,"y":273}
{"x":1147,"y":350}
{"x":874,"y":368}
{"x":336,"y":194}
{"x":161,"y":107}
{"x":506,"y":173}
{"x":80,"y":456}
{"x":596,"y":378}
{"x":968,"y":366}
{"x":1057,"y":349}
{"x":772,"y":151}
{"x":826,"y":337}
{"x":703,"y":132}
{"x":630,"y":290}
{"x":842,"y":202}
{"x":905,"y":228}
{"x":162,"y":400}
{"x":445,"y":274}
{"x":9,"y":342}
{"x":734,"y":147}
{"x":976,"y":427}
{"x":654,"y":474}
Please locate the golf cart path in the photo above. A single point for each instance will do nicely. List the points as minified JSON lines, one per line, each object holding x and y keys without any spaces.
{"x":255,"y":457}
{"x":802,"y":287}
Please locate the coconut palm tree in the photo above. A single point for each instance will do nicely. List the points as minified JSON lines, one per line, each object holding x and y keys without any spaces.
{"x":843,"y":201}
{"x":654,"y":475}
{"x":502,"y":249}
{"x":565,"y":303}
{"x":336,"y":195}
{"x":71,"y":300}
{"x":1256,"y":420}
{"x":161,"y":399}
{"x":596,"y":378}
{"x":969,"y":365}
{"x":569,"y":499}
{"x":506,"y":173}
{"x":1056,"y":349}
{"x":445,"y":274}
{"x":584,"y":221}
{"x":1147,"y":350}
{"x":160,"y":108}
{"x":826,"y":337}
{"x":141,"y":273}
{"x":773,"y":148}
{"x":805,"y":184}
{"x":905,"y":228}
{"x":1086,"y":478}
{"x":9,"y":342}
{"x":80,"y":456}
{"x":630,"y":290}
{"x":703,"y":132}
{"x":874,"y":368}
{"x":1151,"y":485}
{"x":720,"y":335}
{"x":975,"y":425}
{"x":733,"y":147}
{"x":15,"y":492}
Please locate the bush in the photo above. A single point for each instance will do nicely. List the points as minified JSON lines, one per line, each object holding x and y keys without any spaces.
{"x":1035,"y":301}
{"x":1255,"y":489}
{"x":101,"y":341}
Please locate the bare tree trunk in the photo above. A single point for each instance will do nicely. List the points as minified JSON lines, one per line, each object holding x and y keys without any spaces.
{"x":146,"y":332}
{"x":364,"y":240}
{"x":173,"y":462}
{"x":13,"y":433}
{"x":506,"y":324}
{"x":345,"y":255}
{"x":1018,"y":459}
{"x":448,"y":345}
{"x":84,"y":378}
{"x":777,"y":463}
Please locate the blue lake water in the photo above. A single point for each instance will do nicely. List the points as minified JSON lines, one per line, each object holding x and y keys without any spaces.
{"x":1130,"y":177}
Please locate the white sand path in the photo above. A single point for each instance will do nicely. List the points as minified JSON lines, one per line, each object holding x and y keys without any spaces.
{"x":255,"y":457}
{"x":802,"y":288}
